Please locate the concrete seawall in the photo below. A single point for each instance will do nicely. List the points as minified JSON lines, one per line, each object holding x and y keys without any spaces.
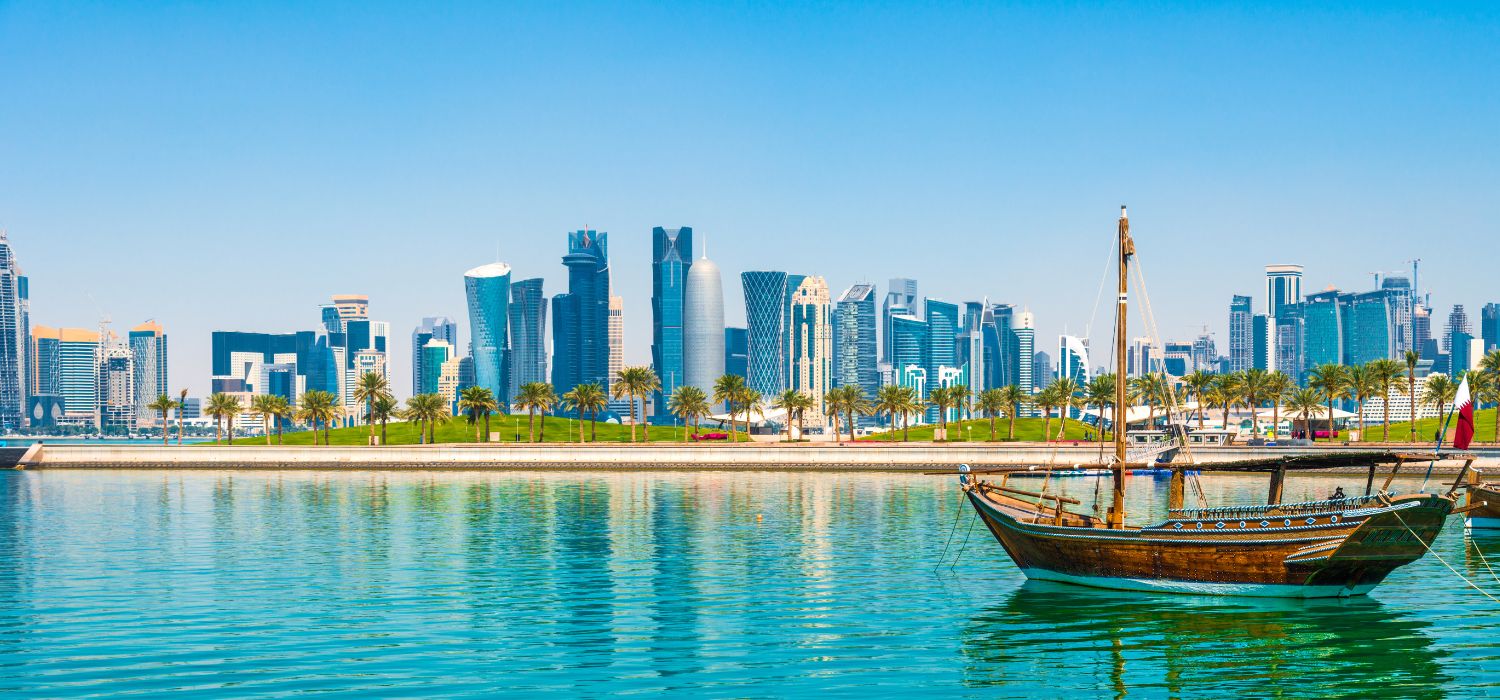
{"x":759,"y":457}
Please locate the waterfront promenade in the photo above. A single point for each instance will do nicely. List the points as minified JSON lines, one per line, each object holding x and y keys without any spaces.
{"x":562,"y":457}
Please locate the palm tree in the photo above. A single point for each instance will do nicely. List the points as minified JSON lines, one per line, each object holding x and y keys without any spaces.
{"x":1361,"y":382}
{"x":944,"y":397}
{"x":1150,"y":389}
{"x":1254,"y":390}
{"x":1278,"y":386}
{"x":547,"y":398}
{"x":588,"y":399}
{"x":181,"y":404}
{"x":911,"y":405}
{"x":533,"y":397}
{"x":890,"y":400}
{"x":1485,"y":388}
{"x":429,"y":411}
{"x":991,"y":402}
{"x":726,"y":390}
{"x":1015,"y":397}
{"x":1047,"y":399}
{"x":384,"y":409}
{"x":960,"y":395}
{"x":1100,"y":393}
{"x":1385,"y":372}
{"x":266,"y":406}
{"x":1304,"y":402}
{"x":690,"y":404}
{"x":633,"y":382}
{"x":787,"y":401}
{"x":750,"y":402}
{"x":833,"y":404}
{"x":222,"y":406}
{"x":281,"y":408}
{"x":1412,"y":358}
{"x":477,"y":403}
{"x":1227,"y":389}
{"x":854,"y":404}
{"x":1490,"y":364}
{"x":1439,"y":393}
{"x":319,"y":408}
{"x":1198,"y":383}
{"x":1328,"y":380}
{"x":370,"y":386}
{"x":1067,"y":391}
{"x":164,"y":405}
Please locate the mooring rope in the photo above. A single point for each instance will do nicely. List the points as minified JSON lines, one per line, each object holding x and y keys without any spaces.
{"x":965,"y":545}
{"x":1483,"y":560}
{"x":1441,"y":560}
{"x":957,"y":512}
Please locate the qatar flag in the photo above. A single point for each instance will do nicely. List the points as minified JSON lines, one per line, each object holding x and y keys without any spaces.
{"x":1463,"y":404}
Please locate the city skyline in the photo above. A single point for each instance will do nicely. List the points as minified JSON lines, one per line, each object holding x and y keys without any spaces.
{"x":377,"y":166}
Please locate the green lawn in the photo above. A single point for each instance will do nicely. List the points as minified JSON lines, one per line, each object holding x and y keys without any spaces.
{"x":1027,"y":429}
{"x":458,"y":430}
{"x":1484,"y":429}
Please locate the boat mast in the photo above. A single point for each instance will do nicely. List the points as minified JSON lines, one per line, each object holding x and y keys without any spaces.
{"x":1127,"y":249}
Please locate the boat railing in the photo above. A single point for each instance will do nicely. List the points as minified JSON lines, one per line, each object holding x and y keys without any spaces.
{"x":1299,"y":508}
{"x":1150,"y":451}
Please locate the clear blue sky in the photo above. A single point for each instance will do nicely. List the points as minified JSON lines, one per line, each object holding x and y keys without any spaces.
{"x":230,"y":165}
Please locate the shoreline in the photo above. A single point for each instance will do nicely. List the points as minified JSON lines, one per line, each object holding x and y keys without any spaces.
{"x":813,"y":457}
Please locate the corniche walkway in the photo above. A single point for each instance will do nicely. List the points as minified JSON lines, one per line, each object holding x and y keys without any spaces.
{"x":561,"y":457}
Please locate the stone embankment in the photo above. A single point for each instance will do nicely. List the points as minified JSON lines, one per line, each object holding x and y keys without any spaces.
{"x":561,"y":457}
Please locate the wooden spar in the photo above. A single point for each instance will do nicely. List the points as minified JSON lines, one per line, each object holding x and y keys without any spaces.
{"x":1370,"y":480}
{"x":1033,"y":494}
{"x":1175,"y":489}
{"x":1278,"y":479}
{"x":1462,"y":472}
{"x":1399,"y":461}
{"x":1127,"y":249}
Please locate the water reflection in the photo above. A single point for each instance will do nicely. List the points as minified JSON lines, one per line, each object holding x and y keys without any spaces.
{"x":1151,"y":645}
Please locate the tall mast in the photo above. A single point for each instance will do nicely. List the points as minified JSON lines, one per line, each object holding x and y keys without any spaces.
{"x":1127,"y":249}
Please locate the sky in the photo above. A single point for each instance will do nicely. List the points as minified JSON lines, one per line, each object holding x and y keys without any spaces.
{"x":229,"y":166}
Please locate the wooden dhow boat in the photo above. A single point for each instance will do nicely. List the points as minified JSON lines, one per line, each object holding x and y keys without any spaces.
{"x":1315,"y":549}
{"x":1482,"y":511}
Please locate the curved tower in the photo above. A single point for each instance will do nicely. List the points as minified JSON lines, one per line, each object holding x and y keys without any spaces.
{"x":703,"y":326}
{"x":487,"y":291}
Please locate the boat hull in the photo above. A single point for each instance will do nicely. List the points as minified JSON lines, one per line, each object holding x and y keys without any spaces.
{"x":1487,"y":516}
{"x":1336,"y":552}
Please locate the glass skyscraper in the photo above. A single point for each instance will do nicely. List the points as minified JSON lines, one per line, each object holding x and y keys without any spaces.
{"x":1322,"y":330}
{"x":737,"y":352}
{"x":1367,"y":328}
{"x":1489,"y":326}
{"x":14,"y":345}
{"x":528,"y":333}
{"x":1283,"y":287}
{"x":431,"y":328}
{"x":148,"y":357}
{"x":703,"y":355}
{"x":900,"y":298}
{"x":580,"y":318}
{"x":766,"y":303}
{"x":810,"y":352}
{"x":1241,"y":353}
{"x":487,"y":294}
{"x":671,"y":257}
{"x":854,"y":344}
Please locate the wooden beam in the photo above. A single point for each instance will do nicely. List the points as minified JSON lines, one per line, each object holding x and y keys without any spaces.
{"x":1387,"y":485}
{"x":1033,"y":494}
{"x":1462,"y":472}
{"x":1370,"y":480}
{"x":1278,"y":479}
{"x":1175,"y":489}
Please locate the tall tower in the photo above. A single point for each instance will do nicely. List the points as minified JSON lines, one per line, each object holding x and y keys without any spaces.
{"x":854,"y":343}
{"x":13,"y":342}
{"x":1283,"y":287}
{"x":431,"y":328}
{"x":148,"y":357}
{"x":703,"y":326}
{"x":528,"y":333}
{"x":487,"y":294}
{"x":765,"y":321}
{"x":671,"y":259}
{"x":900,"y":298}
{"x":811,"y":358}
{"x":616,"y":361}
{"x":1026,"y":350}
{"x":580,"y":318}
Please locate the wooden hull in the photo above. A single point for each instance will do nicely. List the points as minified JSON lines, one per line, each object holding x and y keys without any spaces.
{"x":1487,"y":516}
{"x":1300,"y":551}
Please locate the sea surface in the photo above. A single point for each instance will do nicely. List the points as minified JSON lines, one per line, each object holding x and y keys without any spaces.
{"x":467,"y":584}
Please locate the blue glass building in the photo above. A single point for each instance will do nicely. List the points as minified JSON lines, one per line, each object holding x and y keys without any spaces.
{"x":1489,"y":326}
{"x":487,"y":295}
{"x":854,"y":343}
{"x":942,"y":343}
{"x":528,"y":333}
{"x":1241,"y":342}
{"x":1368,"y":331}
{"x":737,"y":352}
{"x":431,"y":328}
{"x":1322,"y":330}
{"x":580,"y":318}
{"x":766,"y":306}
{"x":671,"y":256}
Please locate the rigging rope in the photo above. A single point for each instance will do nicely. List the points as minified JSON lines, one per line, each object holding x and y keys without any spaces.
{"x":1486,"y":562}
{"x":1441,"y":560}
{"x":965,"y":545}
{"x":958,"y":512}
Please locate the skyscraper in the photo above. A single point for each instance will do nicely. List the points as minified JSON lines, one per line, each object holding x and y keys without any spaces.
{"x":431,"y":328}
{"x":78,"y":373}
{"x":148,"y":359}
{"x":737,"y":352}
{"x":13,"y":341}
{"x":909,"y":347}
{"x":810,"y":356}
{"x":1368,"y":334}
{"x":1263,"y":342}
{"x":765,"y":306}
{"x":528,"y":333}
{"x":703,"y":353}
{"x":671,"y":258}
{"x":900,"y":298}
{"x":487,"y":294}
{"x":616,"y":338}
{"x":1073,"y":359}
{"x":1283,"y":287}
{"x":1042,"y":368}
{"x":1025,"y":351}
{"x":1241,"y":335}
{"x":436,"y":355}
{"x":854,"y":342}
{"x":580,"y":318}
{"x":1322,"y":330}
{"x":1421,"y":332}
{"x":1489,"y":326}
{"x":942,"y":344}
{"x":114,"y":386}
{"x":1458,"y":322}
{"x":1461,"y":359}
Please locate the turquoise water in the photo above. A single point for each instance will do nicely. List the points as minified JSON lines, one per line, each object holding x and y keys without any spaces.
{"x":378,"y":584}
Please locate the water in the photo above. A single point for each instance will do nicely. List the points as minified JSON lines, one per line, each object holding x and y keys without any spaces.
{"x":224,"y":584}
